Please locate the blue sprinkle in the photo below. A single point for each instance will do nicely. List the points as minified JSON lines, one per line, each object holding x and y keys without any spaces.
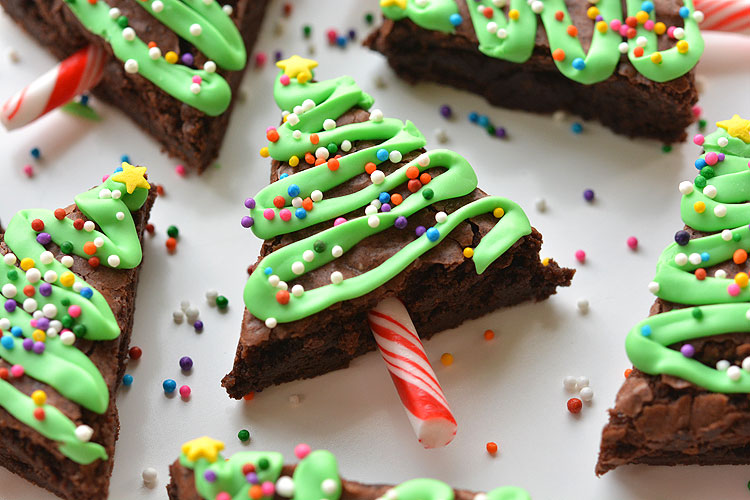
{"x":341,"y":41}
{"x":169,"y":386}
{"x":85,"y":99}
{"x":579,"y":63}
{"x":647,"y":6}
{"x":432,"y":234}
{"x":36,"y":153}
{"x":118,"y":169}
{"x":384,"y":197}
{"x":127,"y":380}
{"x":705,"y":256}
{"x":283,"y":176}
{"x":684,"y":12}
{"x":87,"y":293}
{"x":16,"y":331}
{"x":456,"y":19}
{"x":576,"y":128}
{"x":646,"y":330}
{"x":473,"y":117}
{"x":293,"y":190}
{"x":125,"y":158}
{"x":7,"y":342}
{"x":382,"y":154}
{"x":268,"y":271}
{"x":301,"y":213}
{"x":483,"y":120}
{"x":700,"y":163}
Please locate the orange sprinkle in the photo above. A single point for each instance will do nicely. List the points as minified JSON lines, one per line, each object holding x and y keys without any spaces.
{"x":256,"y":492}
{"x":333,"y":164}
{"x":319,"y":161}
{"x":491,"y":447}
{"x":425,"y":178}
{"x":638,"y":52}
{"x":89,"y":248}
{"x":249,"y":396}
{"x":700,"y":274}
{"x":396,"y":199}
{"x":489,"y":334}
{"x":628,"y":372}
{"x":412,"y":172}
{"x":370,"y":167}
{"x":309,"y":158}
{"x":307,"y":204}
{"x":314,"y":138}
{"x":572,"y":30}
{"x":171,"y":244}
{"x":558,"y":55}
{"x":740,"y":256}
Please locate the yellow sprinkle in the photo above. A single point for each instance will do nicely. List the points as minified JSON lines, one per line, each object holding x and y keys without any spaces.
{"x":602,"y":26}
{"x":514,"y":14}
{"x":545,"y":261}
{"x":27,"y":263}
{"x":741,"y":279}
{"x":171,"y":57}
{"x":39,"y":397}
{"x":498,"y":212}
{"x":67,"y":279}
{"x":468,"y":252}
{"x":660,"y":28}
{"x":446,"y":359}
{"x":264,"y":152}
{"x":699,"y":207}
{"x":39,"y":336}
{"x":293,"y":161}
{"x":286,"y":117}
{"x":682,"y":47}
{"x":592,"y":12}
{"x":656,"y":57}
{"x":641,"y":17}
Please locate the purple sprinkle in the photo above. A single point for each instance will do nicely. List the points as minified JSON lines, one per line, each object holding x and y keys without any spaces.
{"x":277,"y":56}
{"x":687,"y":350}
{"x":500,"y":132}
{"x":250,"y":203}
{"x":45,"y":289}
{"x":198,"y":325}
{"x":28,"y":344}
{"x":42,"y":323}
{"x":186,"y":363}
{"x":588,"y":195}
{"x":385,"y":207}
{"x":209,"y":476}
{"x":600,"y":18}
{"x":247,"y":221}
{"x":43,"y":238}
{"x":39,"y":347}
{"x":252,"y":478}
{"x":10,"y":305}
{"x":352,"y":35}
{"x":446,"y":111}
{"x":187,"y":59}
{"x":401,"y":222}
{"x":420,"y":230}
{"x":721,"y":156}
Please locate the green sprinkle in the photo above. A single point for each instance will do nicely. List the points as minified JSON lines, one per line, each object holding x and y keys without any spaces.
{"x":79,"y":330}
{"x":67,"y":321}
{"x":369,"y":18}
{"x":702,"y":124}
{"x":666,"y":148}
{"x":697,"y":313}
{"x":319,"y":246}
{"x":736,"y":236}
{"x":332,"y":148}
{"x":67,"y":247}
{"x":428,"y":193}
{"x":173,"y":232}
{"x":306,"y":31}
{"x":13,"y":275}
{"x":708,"y":172}
{"x":222,"y":302}
{"x":700,"y":182}
{"x":122,"y":22}
{"x":490,"y":130}
{"x":244,"y":435}
{"x":263,"y":463}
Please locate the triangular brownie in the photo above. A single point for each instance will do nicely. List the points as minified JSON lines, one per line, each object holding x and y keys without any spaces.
{"x":173,"y":66}
{"x":685,"y":401}
{"x":202,"y":473}
{"x":357,"y":211}
{"x":68,"y":288}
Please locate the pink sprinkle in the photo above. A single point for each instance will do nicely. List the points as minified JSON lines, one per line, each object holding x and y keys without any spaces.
{"x":649,"y":25}
{"x":338,"y":221}
{"x":712,"y":158}
{"x":615,"y":24}
{"x":180,"y":169}
{"x":302,"y":450}
{"x":268,"y":214}
{"x":33,"y":323}
{"x":185,"y":391}
{"x":633,"y":243}
{"x":28,"y":170}
{"x":580,"y":256}
{"x":670,"y":31}
{"x":104,"y":179}
{"x":697,"y":111}
{"x":698,"y":139}
{"x":197,"y":79}
{"x":17,"y":371}
{"x":267,"y":488}
{"x":223,"y":496}
{"x":733,"y":289}
{"x":260,"y":59}
{"x":624,"y":30}
{"x":284,"y":80}
{"x":285,"y":214}
{"x":74,"y":311}
{"x":270,"y":129}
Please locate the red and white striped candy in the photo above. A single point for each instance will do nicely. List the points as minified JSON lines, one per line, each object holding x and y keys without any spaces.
{"x":725,"y":15}
{"x":412,"y":374}
{"x":75,"y":75}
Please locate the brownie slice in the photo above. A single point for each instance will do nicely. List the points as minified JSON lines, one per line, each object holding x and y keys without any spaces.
{"x":37,"y":459}
{"x":626,"y":102}
{"x":184,"y":132}
{"x":441,"y":289}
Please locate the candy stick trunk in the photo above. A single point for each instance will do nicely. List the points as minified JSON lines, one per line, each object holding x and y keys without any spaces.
{"x":415,"y":381}
{"x":725,"y":15}
{"x":75,"y":75}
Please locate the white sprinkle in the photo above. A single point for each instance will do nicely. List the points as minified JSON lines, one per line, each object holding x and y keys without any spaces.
{"x":492,"y":27}
{"x":502,"y":33}
{"x":51,"y":277}
{"x":149,"y":475}
{"x":308,"y":104}
{"x":195,"y":88}
{"x":154,"y":53}
{"x":271,"y":323}
{"x":228,"y":9}
{"x":131,"y":66}
{"x":209,"y":67}
{"x":178,"y":317}
{"x":329,"y":124}
{"x":722,"y":142}
{"x":681,"y":259}
{"x":298,"y":267}
{"x":298,"y":290}
{"x":371,"y":210}
{"x":395,"y":156}
{"x":120,"y":215}
{"x":726,"y":235}
{"x":376,"y":115}
{"x":211,"y":295}
{"x":84,"y":433}
{"x":734,"y":373}
{"x":720,"y":210}
{"x":10,"y":259}
{"x":292,"y":119}
{"x":441,"y":217}
{"x":337,"y":251}
{"x":698,"y":16}
{"x":570,"y":384}
{"x":89,"y":226}
{"x":695,"y":259}
{"x":346,"y":145}
{"x":587,"y":394}
{"x":282,"y":285}
{"x":582,"y":381}
{"x":373,"y":221}
{"x":623,"y":47}
{"x":377,"y":177}
{"x":316,"y":195}
{"x":336,"y":277}
{"x":49,"y":311}
{"x":679,"y":33}
{"x":686,"y":187}
{"x":113,"y":261}
{"x":67,"y":261}
{"x":746,"y":363}
{"x":328,"y":486}
{"x":722,"y":365}
{"x":423,"y":160}
{"x":297,"y":134}
{"x":33,"y":275}
{"x":720,"y":273}
{"x":541,"y":204}
{"x":30,"y":305}
{"x":114,"y":13}
{"x":128,"y":34}
{"x":116,"y":194}
{"x":583,"y":305}
{"x":297,"y":202}
{"x":322,"y":153}
{"x":67,"y":337}
{"x":294,"y":400}
{"x":641,"y":41}
{"x":157,"y":6}
{"x":196,"y":29}
{"x":308,"y":255}
{"x":9,"y":291}
{"x":285,"y":486}
{"x":46,"y":258}
{"x":98,"y":242}
{"x":537,"y":7}
{"x":710,"y":191}
{"x":441,"y":135}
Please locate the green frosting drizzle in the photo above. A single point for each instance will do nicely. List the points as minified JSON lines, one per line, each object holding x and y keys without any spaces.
{"x":327,"y":100}
{"x":316,"y":477}
{"x":511,"y":36}
{"x":218,"y":38}
{"x":63,"y":367}
{"x":716,"y":201}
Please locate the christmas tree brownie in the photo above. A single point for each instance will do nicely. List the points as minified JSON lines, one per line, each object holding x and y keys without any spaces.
{"x":173,"y":65}
{"x":685,"y":401}
{"x":622,"y":67}
{"x":68,"y":288}
{"x":356,"y":212}
{"x":202,"y":473}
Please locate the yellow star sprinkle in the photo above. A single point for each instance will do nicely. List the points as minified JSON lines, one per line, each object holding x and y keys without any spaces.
{"x":132,"y":177}
{"x":203,"y":447}
{"x":737,"y":127}
{"x":298,"y":67}
{"x":398,"y":3}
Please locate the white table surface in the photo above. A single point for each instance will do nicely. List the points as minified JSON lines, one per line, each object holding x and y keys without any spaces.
{"x":508,"y":391}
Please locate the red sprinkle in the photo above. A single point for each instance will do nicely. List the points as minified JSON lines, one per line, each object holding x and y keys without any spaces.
{"x":491,"y":448}
{"x":700,"y":274}
{"x":135,"y":352}
{"x":59,"y":214}
{"x":575,"y":405}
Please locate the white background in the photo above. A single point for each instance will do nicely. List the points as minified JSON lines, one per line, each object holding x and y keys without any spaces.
{"x":508,"y":391}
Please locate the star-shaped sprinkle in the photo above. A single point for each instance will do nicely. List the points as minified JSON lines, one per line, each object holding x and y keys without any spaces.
{"x":398,"y":3}
{"x":203,"y":447}
{"x":298,"y":67}
{"x":132,"y":177}
{"x":737,"y":127}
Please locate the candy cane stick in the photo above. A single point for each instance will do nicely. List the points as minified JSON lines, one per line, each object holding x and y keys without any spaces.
{"x":725,"y":15}
{"x":73,"y":76}
{"x":410,"y":369}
